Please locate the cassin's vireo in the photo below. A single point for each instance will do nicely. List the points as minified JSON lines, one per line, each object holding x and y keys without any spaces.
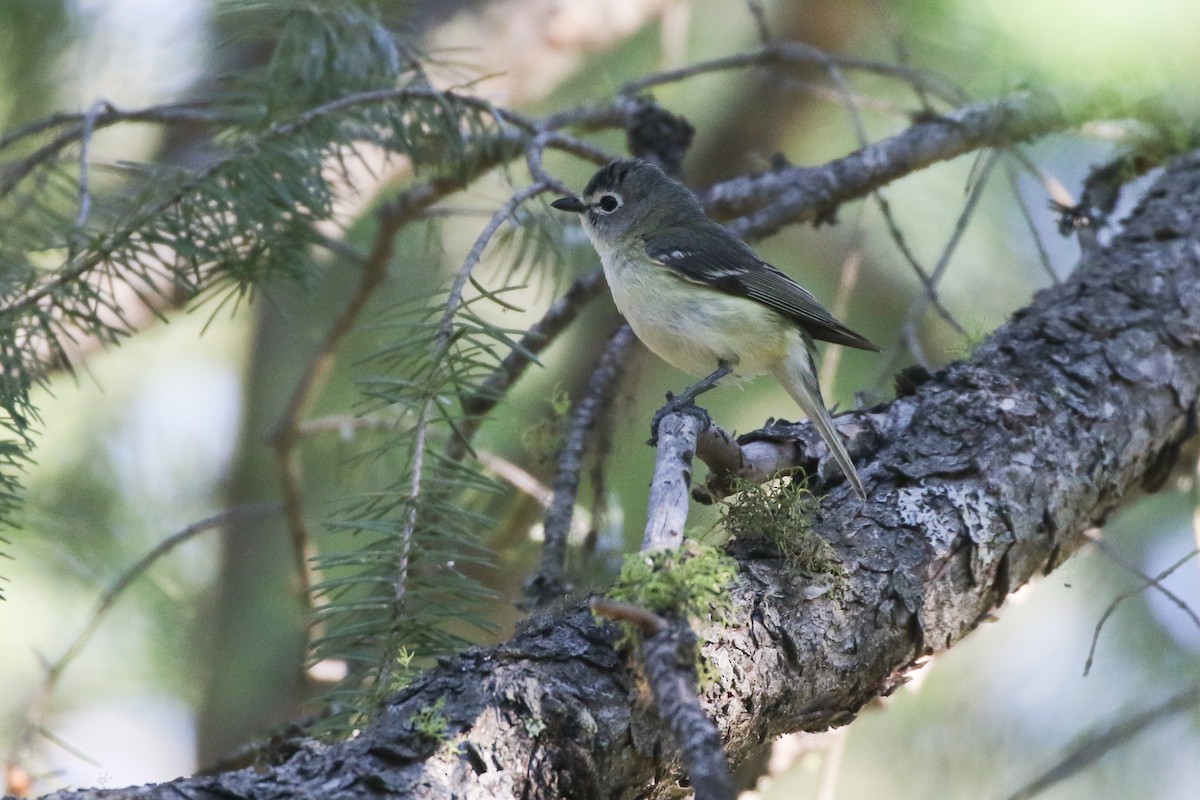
{"x":699,"y":297}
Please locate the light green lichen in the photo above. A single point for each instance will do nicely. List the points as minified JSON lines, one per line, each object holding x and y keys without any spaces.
{"x":779,"y":513}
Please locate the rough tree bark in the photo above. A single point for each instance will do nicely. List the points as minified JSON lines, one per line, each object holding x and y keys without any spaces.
{"x":984,"y":475}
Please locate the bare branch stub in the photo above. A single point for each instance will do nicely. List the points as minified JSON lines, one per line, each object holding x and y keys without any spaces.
{"x":668,"y":653}
{"x":725,"y":460}
{"x":671,"y":484}
{"x":780,"y":447}
{"x":643,"y":619}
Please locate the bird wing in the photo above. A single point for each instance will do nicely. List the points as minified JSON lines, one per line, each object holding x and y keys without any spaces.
{"x":732,"y":267}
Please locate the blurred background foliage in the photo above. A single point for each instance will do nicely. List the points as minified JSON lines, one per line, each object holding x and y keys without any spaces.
{"x":200,"y":655}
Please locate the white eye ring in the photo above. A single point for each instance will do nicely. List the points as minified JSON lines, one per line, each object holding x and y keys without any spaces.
{"x":609,"y":202}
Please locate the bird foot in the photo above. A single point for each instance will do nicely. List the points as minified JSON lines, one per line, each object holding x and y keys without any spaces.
{"x":677,"y":405}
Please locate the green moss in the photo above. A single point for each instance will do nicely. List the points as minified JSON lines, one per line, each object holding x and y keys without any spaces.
{"x":403,"y":670}
{"x":976,"y":330}
{"x":431,"y":723}
{"x":542,"y":440}
{"x":779,"y":513}
{"x":690,"y":581}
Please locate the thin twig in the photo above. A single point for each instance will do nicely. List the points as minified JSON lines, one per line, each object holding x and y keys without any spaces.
{"x":421,"y":428}
{"x":455,"y":296}
{"x":821,"y":91}
{"x":909,"y":336}
{"x":897,"y":237}
{"x":186,"y":111}
{"x":799,"y":53}
{"x":1043,"y":256}
{"x":549,"y":581}
{"x":415,"y":482}
{"x":831,"y":762}
{"x":960,"y":227}
{"x":1104,"y":739}
{"x":669,"y":663}
{"x":1151,"y":582}
{"x":841,"y":304}
{"x":524,"y":482}
{"x":568,"y":144}
{"x":613,"y":113}
{"x":893,"y":227}
{"x":518,"y":477}
{"x":1156,"y":582}
{"x":339,"y":247}
{"x":503,"y":116}
{"x":759,"y":14}
{"x":893,"y":32}
{"x":85,"y":141}
{"x":345,"y":424}
{"x":286,"y":433}
{"x":843,"y":89}
{"x":14,"y":173}
{"x":445,"y":333}
{"x":602,"y":446}
{"x":34,"y":723}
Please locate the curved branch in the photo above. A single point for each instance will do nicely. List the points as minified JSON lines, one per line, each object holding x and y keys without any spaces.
{"x":760,"y":205}
{"x":783,"y":53}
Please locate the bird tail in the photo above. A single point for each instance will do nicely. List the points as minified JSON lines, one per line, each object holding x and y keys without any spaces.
{"x":798,"y":375}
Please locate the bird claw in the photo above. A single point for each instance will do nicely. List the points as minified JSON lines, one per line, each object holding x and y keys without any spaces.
{"x":676,"y":405}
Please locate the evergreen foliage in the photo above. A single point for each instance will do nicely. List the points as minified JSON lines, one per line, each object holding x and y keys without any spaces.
{"x":395,"y":566}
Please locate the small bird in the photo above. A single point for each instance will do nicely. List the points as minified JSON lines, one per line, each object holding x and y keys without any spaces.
{"x":700,"y":298}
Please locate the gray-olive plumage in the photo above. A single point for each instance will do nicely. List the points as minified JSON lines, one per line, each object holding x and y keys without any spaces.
{"x":699,"y":297}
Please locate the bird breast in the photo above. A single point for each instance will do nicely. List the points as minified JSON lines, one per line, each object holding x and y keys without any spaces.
{"x":693,"y":327}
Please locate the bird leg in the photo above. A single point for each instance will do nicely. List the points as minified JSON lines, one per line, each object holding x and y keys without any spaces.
{"x":684,"y":403}
{"x":704,"y":384}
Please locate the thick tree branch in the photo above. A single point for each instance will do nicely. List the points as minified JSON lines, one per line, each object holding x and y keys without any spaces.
{"x":987,"y":474}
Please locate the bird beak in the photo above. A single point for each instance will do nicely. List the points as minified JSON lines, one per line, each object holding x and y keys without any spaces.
{"x":572,"y":204}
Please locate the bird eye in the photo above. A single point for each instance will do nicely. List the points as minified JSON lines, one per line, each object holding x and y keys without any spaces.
{"x":609,"y":203}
